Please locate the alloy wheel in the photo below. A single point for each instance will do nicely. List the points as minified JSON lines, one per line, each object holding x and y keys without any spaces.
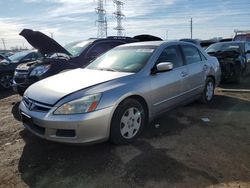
{"x":130,"y":123}
{"x":209,"y":91}
{"x":5,"y":81}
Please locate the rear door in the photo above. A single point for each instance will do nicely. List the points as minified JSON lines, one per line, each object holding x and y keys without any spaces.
{"x":196,"y":65}
{"x":167,"y":87}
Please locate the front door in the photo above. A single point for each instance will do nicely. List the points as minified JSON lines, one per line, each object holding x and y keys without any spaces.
{"x":167,"y":87}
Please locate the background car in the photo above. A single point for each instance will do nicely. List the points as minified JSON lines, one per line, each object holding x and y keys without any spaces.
{"x":57,"y":58}
{"x":119,"y":92}
{"x":242,"y":35}
{"x":2,"y":57}
{"x":8,"y":66}
{"x":234,"y":58}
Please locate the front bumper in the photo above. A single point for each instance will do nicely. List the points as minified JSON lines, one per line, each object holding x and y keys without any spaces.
{"x":80,"y":128}
{"x":20,"y":87}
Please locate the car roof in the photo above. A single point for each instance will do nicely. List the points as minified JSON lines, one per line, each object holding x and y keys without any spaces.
{"x":158,"y":43}
{"x":128,"y":39}
{"x":232,"y":42}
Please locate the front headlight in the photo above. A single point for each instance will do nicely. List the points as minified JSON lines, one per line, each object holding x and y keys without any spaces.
{"x":79,"y":106}
{"x":40,"y":70}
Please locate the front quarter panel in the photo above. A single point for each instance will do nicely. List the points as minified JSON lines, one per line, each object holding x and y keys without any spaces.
{"x":136,"y":85}
{"x":214,"y":69}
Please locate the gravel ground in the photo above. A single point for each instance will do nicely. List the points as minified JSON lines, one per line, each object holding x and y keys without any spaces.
{"x":183,"y":151}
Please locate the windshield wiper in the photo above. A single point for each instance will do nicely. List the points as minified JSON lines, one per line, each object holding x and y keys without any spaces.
{"x":107,"y":69}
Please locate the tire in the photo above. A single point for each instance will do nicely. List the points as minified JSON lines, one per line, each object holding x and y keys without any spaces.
{"x":127,"y":122}
{"x":208,"y":92}
{"x":6,"y":81}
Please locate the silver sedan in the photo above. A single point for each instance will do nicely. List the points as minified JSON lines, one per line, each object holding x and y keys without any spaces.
{"x":119,"y":93}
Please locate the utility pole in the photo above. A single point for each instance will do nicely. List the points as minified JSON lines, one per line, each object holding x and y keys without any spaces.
{"x":191,"y":28}
{"x":101,"y":20}
{"x":119,"y":16}
{"x":3,"y":41}
{"x":166,"y":34}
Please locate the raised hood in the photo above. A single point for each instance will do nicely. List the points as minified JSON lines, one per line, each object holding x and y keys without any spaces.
{"x":52,"y":89}
{"x":42,"y":42}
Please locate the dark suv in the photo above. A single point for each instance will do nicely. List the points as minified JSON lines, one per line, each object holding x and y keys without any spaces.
{"x":57,"y":58}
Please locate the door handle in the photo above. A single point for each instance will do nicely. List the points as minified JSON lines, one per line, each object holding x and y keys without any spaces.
{"x":184,"y":74}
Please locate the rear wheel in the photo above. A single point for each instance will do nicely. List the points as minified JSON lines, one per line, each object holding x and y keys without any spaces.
{"x":208,"y":92}
{"x":127,"y":122}
{"x":6,"y":81}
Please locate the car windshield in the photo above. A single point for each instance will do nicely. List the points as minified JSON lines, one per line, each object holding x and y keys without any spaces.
{"x":76,"y":48}
{"x":222,"y":47}
{"x":123,"y":59}
{"x":18,"y":56}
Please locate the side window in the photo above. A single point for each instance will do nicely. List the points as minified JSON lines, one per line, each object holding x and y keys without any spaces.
{"x":97,"y":49}
{"x":171,"y":54}
{"x":37,"y":55}
{"x":28,"y":57}
{"x":191,"y":54}
{"x":247,"y":47}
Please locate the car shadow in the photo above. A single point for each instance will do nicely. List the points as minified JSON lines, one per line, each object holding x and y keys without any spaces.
{"x":15,"y":111}
{"x":155,"y":164}
{"x":6,"y":93}
{"x":227,"y":103}
{"x":166,"y":125}
{"x":49,"y":164}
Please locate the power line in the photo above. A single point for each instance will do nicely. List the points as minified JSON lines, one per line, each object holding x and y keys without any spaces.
{"x":119,"y":16}
{"x":101,"y":20}
{"x":191,"y":27}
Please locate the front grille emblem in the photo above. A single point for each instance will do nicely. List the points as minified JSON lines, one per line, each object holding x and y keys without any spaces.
{"x":31,"y":105}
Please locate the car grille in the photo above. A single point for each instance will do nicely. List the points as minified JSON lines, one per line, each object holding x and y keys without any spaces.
{"x":19,"y":80}
{"x":36,"y":106}
{"x":20,"y":75}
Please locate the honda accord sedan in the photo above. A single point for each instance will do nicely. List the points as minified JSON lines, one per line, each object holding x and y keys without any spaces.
{"x":119,"y":93}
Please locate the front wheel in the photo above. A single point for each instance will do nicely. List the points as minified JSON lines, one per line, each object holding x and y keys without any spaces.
{"x":127,"y":122}
{"x":6,"y":81}
{"x":208,"y":92}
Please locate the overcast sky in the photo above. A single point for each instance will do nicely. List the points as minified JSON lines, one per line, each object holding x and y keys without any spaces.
{"x":71,"y":20}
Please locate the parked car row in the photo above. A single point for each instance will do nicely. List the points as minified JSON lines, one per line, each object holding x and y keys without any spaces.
{"x":57,"y":58}
{"x":118,"y":84}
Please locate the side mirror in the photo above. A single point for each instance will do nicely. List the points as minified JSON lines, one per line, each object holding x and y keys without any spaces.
{"x":164,"y":66}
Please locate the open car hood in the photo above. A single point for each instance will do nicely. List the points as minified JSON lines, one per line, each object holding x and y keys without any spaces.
{"x":42,"y":42}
